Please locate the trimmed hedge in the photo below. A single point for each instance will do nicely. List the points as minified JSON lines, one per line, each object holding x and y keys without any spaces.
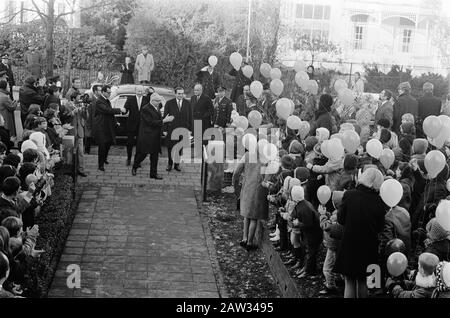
{"x":55,"y":221}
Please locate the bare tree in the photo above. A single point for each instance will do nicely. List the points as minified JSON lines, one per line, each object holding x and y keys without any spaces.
{"x":50,"y":19}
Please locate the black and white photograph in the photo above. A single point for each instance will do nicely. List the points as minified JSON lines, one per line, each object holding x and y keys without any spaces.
{"x":226,"y":155}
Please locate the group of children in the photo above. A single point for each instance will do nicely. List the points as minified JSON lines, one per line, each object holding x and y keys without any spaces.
{"x":303,"y":223}
{"x":25,"y":183}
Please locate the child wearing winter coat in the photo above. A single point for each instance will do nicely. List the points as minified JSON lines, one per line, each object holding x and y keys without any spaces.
{"x":327,"y":221}
{"x":332,"y":171}
{"x":349,"y":176}
{"x":424,"y":283}
{"x":296,"y":152}
{"x":442,"y":281}
{"x":310,"y":154}
{"x":438,"y":240}
{"x":294,"y":233}
{"x":408,"y":131}
{"x":306,"y":219}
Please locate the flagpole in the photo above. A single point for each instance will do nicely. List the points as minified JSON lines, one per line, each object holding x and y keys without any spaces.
{"x":248,"y":28}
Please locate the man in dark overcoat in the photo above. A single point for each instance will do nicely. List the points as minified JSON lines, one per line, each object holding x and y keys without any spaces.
{"x":133,"y":106}
{"x":149,"y":136}
{"x":210,"y":80}
{"x":6,"y":67}
{"x":180,"y":109}
{"x":404,"y":104}
{"x":203,"y":108}
{"x":104,"y":125}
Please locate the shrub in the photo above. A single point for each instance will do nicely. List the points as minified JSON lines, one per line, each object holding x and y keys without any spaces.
{"x":54,"y":222}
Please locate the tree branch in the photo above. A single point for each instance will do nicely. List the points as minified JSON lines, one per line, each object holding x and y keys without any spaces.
{"x":38,"y":11}
{"x":103,"y":3}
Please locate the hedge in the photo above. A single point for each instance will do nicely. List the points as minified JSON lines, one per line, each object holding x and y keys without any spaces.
{"x":55,"y":221}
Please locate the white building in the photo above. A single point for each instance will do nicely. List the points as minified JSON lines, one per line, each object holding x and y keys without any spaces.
{"x":22,"y":11}
{"x":368,"y":31}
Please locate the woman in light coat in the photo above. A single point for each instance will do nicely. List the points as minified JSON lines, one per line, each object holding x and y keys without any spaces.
{"x":144,"y":66}
{"x":253,"y":205}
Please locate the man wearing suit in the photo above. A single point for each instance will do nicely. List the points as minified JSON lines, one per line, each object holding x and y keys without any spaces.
{"x":428,"y":105}
{"x":222,"y":109}
{"x":385,"y":110}
{"x":149,"y":137}
{"x":203,"y":108}
{"x":181,"y":110}
{"x":210,"y":81}
{"x":5,"y":67}
{"x":104,"y":125}
{"x":133,"y":107}
{"x":404,"y":104}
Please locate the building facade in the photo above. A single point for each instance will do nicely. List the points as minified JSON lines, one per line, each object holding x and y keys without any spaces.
{"x":367,"y":31}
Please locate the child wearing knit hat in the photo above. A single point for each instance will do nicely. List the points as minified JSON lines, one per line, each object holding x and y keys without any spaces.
{"x":442,"y":281}
{"x":296,"y":151}
{"x":424,"y":283}
{"x":438,"y":240}
{"x":327,"y":222}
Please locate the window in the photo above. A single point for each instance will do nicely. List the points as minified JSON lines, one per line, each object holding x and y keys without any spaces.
{"x":308,"y":11}
{"x":326,"y":13}
{"x":358,"y":39}
{"x":406,"y":41}
{"x":318,"y":12}
{"x":299,"y":13}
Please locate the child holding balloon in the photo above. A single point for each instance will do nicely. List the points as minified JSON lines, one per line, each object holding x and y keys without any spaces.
{"x":424,"y":282}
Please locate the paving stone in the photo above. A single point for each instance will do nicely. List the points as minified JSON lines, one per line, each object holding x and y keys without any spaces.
{"x":126,"y":240}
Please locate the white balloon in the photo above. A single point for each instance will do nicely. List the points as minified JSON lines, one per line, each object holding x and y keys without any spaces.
{"x":298,"y":193}
{"x":391,"y":192}
{"x":293,"y":122}
{"x":443,"y":214}
{"x":272,"y":167}
{"x":268,"y":152}
{"x":275,"y":73}
{"x":212,"y":60}
{"x":374,"y":148}
{"x":250,"y":142}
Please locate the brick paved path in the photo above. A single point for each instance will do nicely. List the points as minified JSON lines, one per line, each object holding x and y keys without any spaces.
{"x":145,"y":240}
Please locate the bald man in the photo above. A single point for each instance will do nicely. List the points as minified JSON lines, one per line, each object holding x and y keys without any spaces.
{"x":202,"y":107}
{"x":149,"y":135}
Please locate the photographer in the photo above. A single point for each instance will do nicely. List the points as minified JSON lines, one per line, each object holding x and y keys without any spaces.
{"x":78,"y":115}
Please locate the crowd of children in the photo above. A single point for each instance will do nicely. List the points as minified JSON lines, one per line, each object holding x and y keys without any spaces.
{"x":26,"y":180}
{"x":356,"y":227}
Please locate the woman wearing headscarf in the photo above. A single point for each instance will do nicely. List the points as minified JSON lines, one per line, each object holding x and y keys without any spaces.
{"x":323,"y":115}
{"x":362,"y":214}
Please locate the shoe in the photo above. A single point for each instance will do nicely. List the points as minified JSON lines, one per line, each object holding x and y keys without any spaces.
{"x":157,"y":177}
{"x":279,"y":249}
{"x":133,"y":171}
{"x":106,"y":162}
{"x":177,"y":168}
{"x":128,"y":162}
{"x":329,"y":291}
{"x":305,"y":275}
{"x":276,"y":233}
{"x":274,"y":239}
{"x":243,"y":243}
{"x":251,"y":247}
{"x":290,"y":262}
{"x":298,"y":265}
{"x":169,"y":168}
{"x":82,"y":174}
{"x":139,"y":166}
{"x":101,"y":169}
